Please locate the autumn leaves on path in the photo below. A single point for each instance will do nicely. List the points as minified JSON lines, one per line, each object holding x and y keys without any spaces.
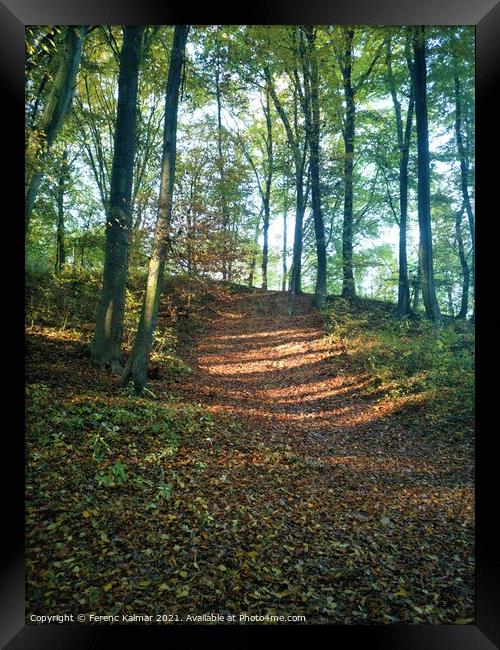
{"x":322,"y":502}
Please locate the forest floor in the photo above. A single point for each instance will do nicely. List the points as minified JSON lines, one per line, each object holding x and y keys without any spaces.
{"x":302,"y":495}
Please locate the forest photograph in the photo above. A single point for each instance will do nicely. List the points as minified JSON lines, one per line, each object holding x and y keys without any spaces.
{"x":249,"y":324}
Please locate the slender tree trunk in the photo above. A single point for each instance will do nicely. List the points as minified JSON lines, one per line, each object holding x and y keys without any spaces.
{"x":403,"y":307}
{"x":285,"y":225}
{"x":40,"y":140}
{"x":299,"y":165}
{"x":106,"y":343}
{"x":424,"y":207}
{"x":464,"y":306}
{"x":61,"y":190}
{"x":265,"y":245}
{"x":137,"y":365}
{"x":222,"y":175}
{"x":312,"y":118}
{"x":253,"y":259}
{"x":296,"y":270}
{"x":464,"y":177}
{"x":267,"y":190}
{"x":348,"y":285}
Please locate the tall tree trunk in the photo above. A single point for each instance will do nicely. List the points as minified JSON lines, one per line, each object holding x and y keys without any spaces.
{"x":464,"y":175}
{"x":285,"y":225}
{"x":267,"y":190}
{"x":312,"y":118}
{"x":222,"y":175}
{"x":464,"y":305}
{"x":61,"y":190}
{"x":296,"y":270}
{"x":299,"y":166}
{"x":424,"y":207}
{"x":106,"y":343}
{"x":40,"y":140}
{"x":137,"y":365}
{"x":404,"y":137}
{"x":348,"y":285}
{"x":265,"y":244}
{"x":253,"y":259}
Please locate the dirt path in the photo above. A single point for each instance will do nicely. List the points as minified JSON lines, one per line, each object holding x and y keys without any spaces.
{"x":324,"y":502}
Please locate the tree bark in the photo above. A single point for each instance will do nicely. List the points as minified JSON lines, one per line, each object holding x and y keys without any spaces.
{"x":312,"y":117}
{"x":464,"y":305}
{"x":299,"y":166}
{"x":253,"y":259}
{"x":285,"y":226}
{"x":403,"y":137}
{"x":58,"y":104}
{"x":267,"y":190}
{"x":137,"y":365}
{"x":222,"y":175}
{"x":464,"y":176}
{"x":348,"y":285}
{"x":105,"y":348}
{"x":61,"y":190}
{"x":424,"y":207}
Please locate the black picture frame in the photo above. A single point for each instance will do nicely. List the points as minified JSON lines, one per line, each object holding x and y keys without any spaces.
{"x":14,"y":16}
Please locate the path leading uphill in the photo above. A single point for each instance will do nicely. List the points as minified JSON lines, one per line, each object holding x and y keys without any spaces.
{"x":320,"y":501}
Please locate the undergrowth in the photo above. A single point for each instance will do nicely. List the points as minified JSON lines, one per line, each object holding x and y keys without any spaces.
{"x":409,"y":356}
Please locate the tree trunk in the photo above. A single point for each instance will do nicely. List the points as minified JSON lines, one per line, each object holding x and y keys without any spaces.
{"x":253,"y":259}
{"x":265,"y":245}
{"x":296,"y":270}
{"x":312,"y":116}
{"x":403,"y":307}
{"x":137,"y":365}
{"x":61,"y":190}
{"x":464,"y":176}
{"x":222,"y":176}
{"x":348,"y":286}
{"x":464,"y":306}
{"x":285,"y":225}
{"x":424,"y":207}
{"x":58,"y":104}
{"x":299,"y":164}
{"x":106,"y":343}
{"x":267,"y":191}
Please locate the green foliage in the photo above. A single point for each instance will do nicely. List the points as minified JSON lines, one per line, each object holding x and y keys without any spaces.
{"x":62,"y":300}
{"x":409,"y":356}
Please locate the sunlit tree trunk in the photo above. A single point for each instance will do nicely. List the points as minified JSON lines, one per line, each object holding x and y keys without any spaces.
{"x":424,"y":207}
{"x":253,"y":258}
{"x":41,"y":138}
{"x":267,"y":189}
{"x":106,"y":343}
{"x":403,"y":136}
{"x":137,"y":365}
{"x":299,"y":167}
{"x":285,"y":226}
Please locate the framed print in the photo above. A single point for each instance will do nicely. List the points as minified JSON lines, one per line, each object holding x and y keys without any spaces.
{"x":249,"y":298}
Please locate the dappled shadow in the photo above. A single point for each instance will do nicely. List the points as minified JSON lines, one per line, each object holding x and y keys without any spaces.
{"x":309,"y":490}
